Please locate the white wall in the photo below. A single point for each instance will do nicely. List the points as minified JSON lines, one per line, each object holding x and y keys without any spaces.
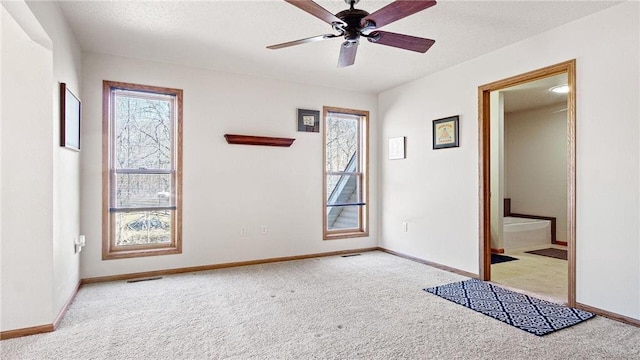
{"x":66,"y":179}
{"x":438,"y":190}
{"x":40,"y":192}
{"x":497,"y":172}
{"x":2,"y":16}
{"x":536,"y":157}
{"x":27,"y":175}
{"x":226,"y":186}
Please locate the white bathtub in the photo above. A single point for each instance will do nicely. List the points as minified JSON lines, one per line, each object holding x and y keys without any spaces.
{"x":524,"y":232}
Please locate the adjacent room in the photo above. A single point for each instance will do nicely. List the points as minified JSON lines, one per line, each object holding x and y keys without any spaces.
{"x":358,"y":179}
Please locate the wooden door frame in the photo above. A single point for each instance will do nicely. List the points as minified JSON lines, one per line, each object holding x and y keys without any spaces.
{"x":568,"y":67}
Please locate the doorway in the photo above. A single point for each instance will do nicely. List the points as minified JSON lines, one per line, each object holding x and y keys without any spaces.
{"x":488,"y":164}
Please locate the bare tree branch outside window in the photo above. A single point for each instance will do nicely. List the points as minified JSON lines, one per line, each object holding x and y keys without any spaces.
{"x":143,"y":167}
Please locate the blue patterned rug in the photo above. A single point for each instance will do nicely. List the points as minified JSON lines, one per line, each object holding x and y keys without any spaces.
{"x":533,"y":315}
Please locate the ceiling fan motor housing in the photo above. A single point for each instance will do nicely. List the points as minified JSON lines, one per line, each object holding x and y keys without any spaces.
{"x":353,"y":18}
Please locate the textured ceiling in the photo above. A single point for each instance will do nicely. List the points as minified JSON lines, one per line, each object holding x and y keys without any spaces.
{"x":232,"y":36}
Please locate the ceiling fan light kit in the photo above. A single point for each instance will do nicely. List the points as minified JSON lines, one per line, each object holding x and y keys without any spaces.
{"x":352,"y":24}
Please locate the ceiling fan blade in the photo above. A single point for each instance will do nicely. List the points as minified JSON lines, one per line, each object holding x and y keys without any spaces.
{"x":397,"y":10}
{"x":301,"y":41}
{"x":401,"y":41}
{"x":347,"y":54}
{"x":315,"y":10}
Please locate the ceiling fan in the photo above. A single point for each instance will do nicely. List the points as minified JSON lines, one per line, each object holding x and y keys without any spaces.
{"x":355,"y":23}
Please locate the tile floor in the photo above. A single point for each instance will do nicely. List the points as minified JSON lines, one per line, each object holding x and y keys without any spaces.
{"x":541,"y":276}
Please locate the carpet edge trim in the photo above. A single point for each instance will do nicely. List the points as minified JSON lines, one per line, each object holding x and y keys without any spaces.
{"x":430,"y":263}
{"x":40,"y":329}
{"x":183,"y":270}
{"x":608,"y":314}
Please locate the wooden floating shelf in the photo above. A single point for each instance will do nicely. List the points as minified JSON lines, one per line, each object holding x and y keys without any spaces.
{"x":258,"y":140}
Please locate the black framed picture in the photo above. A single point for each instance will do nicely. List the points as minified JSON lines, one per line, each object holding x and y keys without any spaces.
{"x":308,"y":120}
{"x":445,"y":132}
{"x":69,"y":119}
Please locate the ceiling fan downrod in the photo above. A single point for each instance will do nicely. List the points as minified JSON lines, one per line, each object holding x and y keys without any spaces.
{"x":351,"y":3}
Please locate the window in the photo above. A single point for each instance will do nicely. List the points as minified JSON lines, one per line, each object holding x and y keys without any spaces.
{"x":142,"y":171}
{"x":345,"y":173}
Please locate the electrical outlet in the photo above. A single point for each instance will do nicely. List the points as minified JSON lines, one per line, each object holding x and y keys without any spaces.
{"x":243,"y":231}
{"x":78,"y":243}
{"x":405,"y":226}
{"x":264,"y":230}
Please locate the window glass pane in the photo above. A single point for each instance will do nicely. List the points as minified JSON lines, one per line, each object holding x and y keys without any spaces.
{"x":342,"y":189}
{"x":142,"y":190}
{"x":143,"y":132}
{"x":343,"y":217}
{"x":342,"y":142}
{"x":143,"y":227}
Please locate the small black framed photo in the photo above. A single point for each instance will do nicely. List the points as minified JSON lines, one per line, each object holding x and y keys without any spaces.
{"x":308,"y":120}
{"x":69,"y":119}
{"x":445,"y":132}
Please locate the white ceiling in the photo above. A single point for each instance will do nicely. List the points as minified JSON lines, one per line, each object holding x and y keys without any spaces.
{"x":535,"y":94}
{"x":232,"y":36}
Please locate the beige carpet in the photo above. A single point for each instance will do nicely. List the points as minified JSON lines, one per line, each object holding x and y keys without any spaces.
{"x":362,"y":307}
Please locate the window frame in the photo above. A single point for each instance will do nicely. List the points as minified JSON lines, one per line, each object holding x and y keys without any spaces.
{"x":109,"y":249}
{"x":362,"y":166}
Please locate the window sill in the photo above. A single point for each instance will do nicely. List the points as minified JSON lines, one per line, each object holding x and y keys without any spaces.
{"x":134,"y":253}
{"x":344,"y":235}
